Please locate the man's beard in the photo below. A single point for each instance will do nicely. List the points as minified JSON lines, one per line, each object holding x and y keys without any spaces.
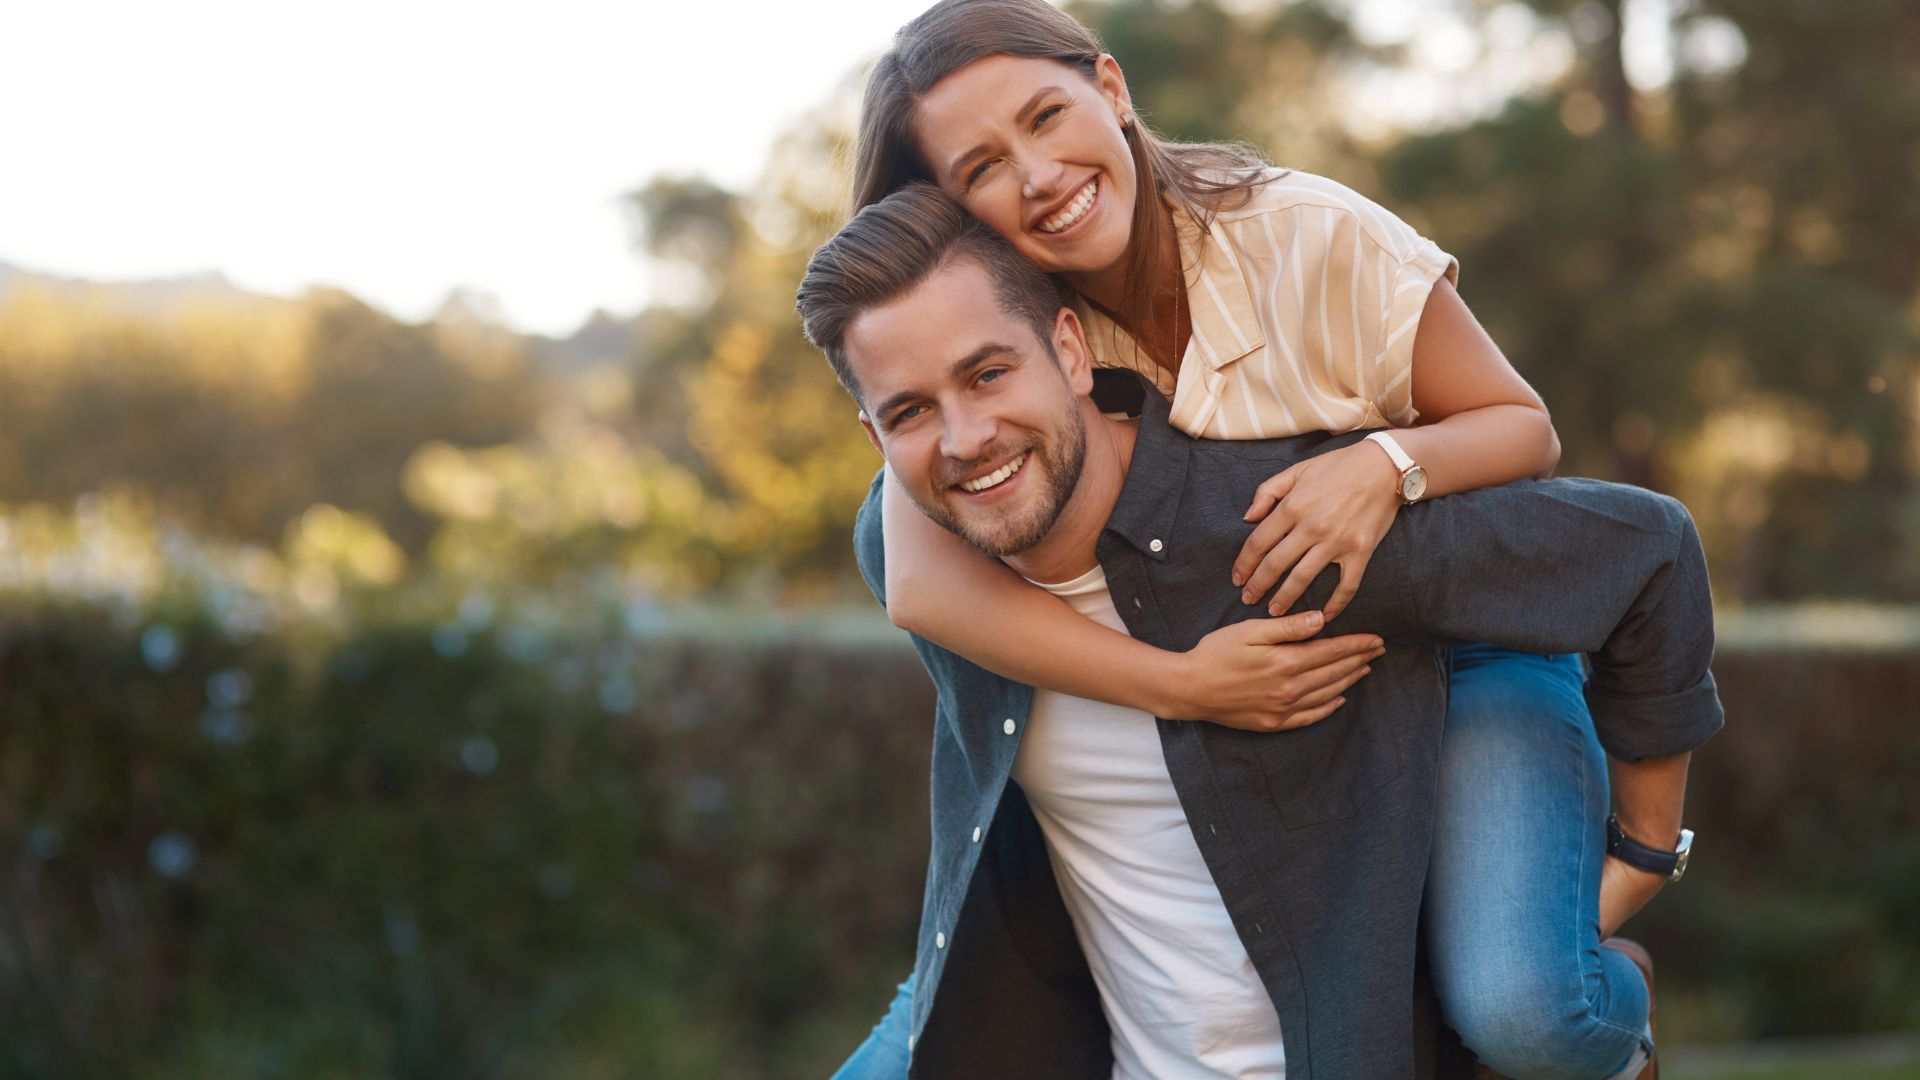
{"x":1001,"y":532}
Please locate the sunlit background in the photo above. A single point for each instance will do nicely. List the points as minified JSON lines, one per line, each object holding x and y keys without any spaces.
{"x":429,"y":642}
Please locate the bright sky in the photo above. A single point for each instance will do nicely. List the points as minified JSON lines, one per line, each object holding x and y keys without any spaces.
{"x":396,"y":148}
{"x":403,"y":148}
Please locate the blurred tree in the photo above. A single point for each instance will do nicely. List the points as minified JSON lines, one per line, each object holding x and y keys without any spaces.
{"x":1708,"y":262}
{"x":237,"y":418}
{"x":1712,"y":283}
{"x":765,"y":425}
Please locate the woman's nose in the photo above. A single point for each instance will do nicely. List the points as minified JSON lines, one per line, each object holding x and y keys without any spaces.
{"x":1043,"y":179}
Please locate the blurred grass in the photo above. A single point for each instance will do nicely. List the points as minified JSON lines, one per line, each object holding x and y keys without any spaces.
{"x":1810,"y":1070}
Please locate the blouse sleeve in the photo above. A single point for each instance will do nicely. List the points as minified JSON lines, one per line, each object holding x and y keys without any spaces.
{"x":1395,"y":271}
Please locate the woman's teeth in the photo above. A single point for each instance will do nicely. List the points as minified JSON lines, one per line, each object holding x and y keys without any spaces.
{"x":994,"y":478}
{"x":1074,"y":209}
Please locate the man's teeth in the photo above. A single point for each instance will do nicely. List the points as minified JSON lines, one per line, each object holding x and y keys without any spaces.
{"x":995,"y":477}
{"x":1073,"y":210}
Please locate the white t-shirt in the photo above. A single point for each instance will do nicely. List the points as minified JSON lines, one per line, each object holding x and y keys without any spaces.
{"x":1178,"y":990}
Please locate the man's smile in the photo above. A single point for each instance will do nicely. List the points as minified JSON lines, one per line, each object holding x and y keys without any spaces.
{"x":996,"y":478}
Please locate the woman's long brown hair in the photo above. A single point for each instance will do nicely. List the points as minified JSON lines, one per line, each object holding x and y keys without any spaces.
{"x":1203,"y":178}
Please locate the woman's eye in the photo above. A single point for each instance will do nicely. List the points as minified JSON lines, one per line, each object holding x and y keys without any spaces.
{"x":1047,"y":114}
{"x":978,"y":171}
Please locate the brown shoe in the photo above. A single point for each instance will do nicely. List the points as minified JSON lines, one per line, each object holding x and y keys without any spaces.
{"x":1643,"y":960}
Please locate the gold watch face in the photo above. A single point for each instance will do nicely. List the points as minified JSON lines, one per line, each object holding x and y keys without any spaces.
{"x":1413,"y":484}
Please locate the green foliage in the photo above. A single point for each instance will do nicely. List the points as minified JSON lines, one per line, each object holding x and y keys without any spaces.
{"x":481,"y":845}
{"x":236,"y":417}
{"x":459,"y":834}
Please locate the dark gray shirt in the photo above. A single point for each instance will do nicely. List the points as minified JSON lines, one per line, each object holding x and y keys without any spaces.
{"x":1317,"y":838}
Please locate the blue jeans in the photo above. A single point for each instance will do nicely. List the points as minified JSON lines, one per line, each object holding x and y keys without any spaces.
{"x":1513,"y":894}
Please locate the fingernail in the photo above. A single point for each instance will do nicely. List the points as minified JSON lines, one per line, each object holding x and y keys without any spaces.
{"x":1246,"y":596}
{"x":1238,"y":581}
{"x":1274,"y":609}
{"x":1314,"y":619}
{"x":1366,"y":671}
{"x":1337,"y":702}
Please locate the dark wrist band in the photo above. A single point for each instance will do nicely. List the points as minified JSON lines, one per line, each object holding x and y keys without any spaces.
{"x":1668,"y":864}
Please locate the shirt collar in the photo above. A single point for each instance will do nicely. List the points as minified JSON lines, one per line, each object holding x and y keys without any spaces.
{"x":1226,"y":326}
{"x":1149,"y":501}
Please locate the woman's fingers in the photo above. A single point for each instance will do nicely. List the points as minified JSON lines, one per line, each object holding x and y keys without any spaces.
{"x":1259,"y":544}
{"x":1270,"y":492}
{"x":1352,"y":569}
{"x":1358,"y":670}
{"x":1314,"y":715}
{"x":1275,"y":563}
{"x":1304,"y":571}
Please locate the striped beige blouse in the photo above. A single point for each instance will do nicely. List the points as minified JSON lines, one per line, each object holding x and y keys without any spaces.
{"x":1304,"y":304}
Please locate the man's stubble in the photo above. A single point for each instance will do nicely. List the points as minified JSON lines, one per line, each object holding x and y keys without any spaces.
{"x":999,"y":535}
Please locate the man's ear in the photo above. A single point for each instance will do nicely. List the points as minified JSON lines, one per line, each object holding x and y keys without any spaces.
{"x":1070,"y":349}
{"x":873,"y":436}
{"x":1112,"y":85}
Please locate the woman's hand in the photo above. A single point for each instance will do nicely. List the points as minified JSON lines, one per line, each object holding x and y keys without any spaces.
{"x":1252,"y":676}
{"x":1624,"y":890}
{"x":1330,"y":509}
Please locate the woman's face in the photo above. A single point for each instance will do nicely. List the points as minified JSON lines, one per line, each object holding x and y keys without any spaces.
{"x":1034,"y":149}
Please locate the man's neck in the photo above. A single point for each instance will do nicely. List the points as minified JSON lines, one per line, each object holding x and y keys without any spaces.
{"x":1067,"y":551}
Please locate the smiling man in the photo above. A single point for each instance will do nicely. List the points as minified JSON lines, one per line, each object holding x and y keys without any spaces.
{"x":1115,"y":895}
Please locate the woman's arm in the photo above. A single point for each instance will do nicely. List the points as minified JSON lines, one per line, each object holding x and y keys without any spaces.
{"x":1244,"y":675}
{"x":1481,"y":425}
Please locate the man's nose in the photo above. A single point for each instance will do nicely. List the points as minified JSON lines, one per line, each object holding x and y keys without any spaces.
{"x":966,"y":434}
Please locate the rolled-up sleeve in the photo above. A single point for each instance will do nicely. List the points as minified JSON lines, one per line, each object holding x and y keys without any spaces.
{"x":1579,"y":566}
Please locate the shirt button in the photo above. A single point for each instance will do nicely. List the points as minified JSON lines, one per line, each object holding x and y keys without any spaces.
{"x":1008,"y":726}
{"x":976,"y":834}
{"x":1155,"y":545}
{"x":939,"y":941}
{"x":1136,"y":603}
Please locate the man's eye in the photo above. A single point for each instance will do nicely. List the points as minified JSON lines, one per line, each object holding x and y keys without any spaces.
{"x":992,"y":373}
{"x":907,"y":414}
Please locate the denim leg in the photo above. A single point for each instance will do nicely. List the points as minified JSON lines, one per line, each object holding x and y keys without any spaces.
{"x":1512,"y":908}
{"x":884,"y":1055}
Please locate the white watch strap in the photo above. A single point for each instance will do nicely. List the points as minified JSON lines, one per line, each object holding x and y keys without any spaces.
{"x":1386,"y":442}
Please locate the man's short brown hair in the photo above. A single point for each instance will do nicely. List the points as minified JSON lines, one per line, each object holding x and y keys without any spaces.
{"x":892,"y":246}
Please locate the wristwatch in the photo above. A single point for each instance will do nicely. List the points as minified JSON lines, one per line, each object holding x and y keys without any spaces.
{"x":1413,"y":478}
{"x":1670,"y":864}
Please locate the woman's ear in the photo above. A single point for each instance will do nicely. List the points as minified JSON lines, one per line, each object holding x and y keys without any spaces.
{"x":1113,"y":86}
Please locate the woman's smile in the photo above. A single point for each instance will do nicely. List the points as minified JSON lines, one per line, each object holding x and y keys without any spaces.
{"x":1079,"y":207}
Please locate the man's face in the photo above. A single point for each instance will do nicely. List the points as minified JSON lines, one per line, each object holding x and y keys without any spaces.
{"x":978,"y":417}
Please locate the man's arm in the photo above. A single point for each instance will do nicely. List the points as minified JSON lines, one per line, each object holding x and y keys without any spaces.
{"x":1579,"y":566}
{"x":1612,"y":571}
{"x":869,"y":548}
{"x":1649,"y":796}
